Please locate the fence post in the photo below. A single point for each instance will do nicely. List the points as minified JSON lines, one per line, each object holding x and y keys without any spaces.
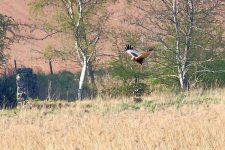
{"x":15,"y":65}
{"x":50,"y":66}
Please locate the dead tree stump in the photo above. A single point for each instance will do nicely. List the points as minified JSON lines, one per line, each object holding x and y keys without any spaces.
{"x":26,"y":84}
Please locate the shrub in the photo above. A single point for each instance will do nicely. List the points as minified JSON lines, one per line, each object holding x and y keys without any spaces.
{"x":8,"y":92}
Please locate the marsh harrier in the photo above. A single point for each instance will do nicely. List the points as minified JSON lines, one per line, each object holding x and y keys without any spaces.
{"x":137,"y":56}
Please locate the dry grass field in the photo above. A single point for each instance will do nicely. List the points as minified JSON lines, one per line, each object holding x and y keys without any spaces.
{"x":162,"y":121}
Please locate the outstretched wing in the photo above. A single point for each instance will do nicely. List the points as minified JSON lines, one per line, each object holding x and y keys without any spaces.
{"x":131,"y":51}
{"x":144,"y":55}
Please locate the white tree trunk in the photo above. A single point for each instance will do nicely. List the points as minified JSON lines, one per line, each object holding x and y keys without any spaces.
{"x":183,"y":59}
{"x":82,"y":78}
{"x":184,"y":80}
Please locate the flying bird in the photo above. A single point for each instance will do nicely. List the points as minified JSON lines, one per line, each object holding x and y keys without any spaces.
{"x":137,"y":56}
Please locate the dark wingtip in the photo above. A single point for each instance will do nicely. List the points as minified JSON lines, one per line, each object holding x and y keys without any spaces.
{"x":128,"y":46}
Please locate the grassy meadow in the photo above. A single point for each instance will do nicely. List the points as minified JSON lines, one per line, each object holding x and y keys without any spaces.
{"x":163,"y":121}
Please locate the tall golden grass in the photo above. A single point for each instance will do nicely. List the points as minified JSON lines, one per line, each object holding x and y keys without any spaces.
{"x":194,"y":121}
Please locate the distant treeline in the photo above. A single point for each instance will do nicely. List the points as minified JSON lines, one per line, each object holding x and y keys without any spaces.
{"x":115,"y":81}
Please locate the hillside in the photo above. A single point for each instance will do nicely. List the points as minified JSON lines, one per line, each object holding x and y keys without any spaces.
{"x":25,"y":52}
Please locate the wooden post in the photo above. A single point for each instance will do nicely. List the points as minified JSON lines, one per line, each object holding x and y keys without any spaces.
{"x":50,"y":66}
{"x":15,"y":66}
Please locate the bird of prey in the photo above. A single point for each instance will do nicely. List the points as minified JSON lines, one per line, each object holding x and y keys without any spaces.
{"x":137,"y":56}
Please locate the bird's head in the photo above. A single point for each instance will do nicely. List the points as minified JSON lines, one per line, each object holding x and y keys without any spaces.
{"x":151,"y":48}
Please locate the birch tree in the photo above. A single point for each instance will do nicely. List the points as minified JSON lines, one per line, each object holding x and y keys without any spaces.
{"x":83,"y":20}
{"x":179,"y":26}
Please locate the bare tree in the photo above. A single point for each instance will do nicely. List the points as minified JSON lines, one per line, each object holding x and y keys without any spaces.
{"x":177,"y":25}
